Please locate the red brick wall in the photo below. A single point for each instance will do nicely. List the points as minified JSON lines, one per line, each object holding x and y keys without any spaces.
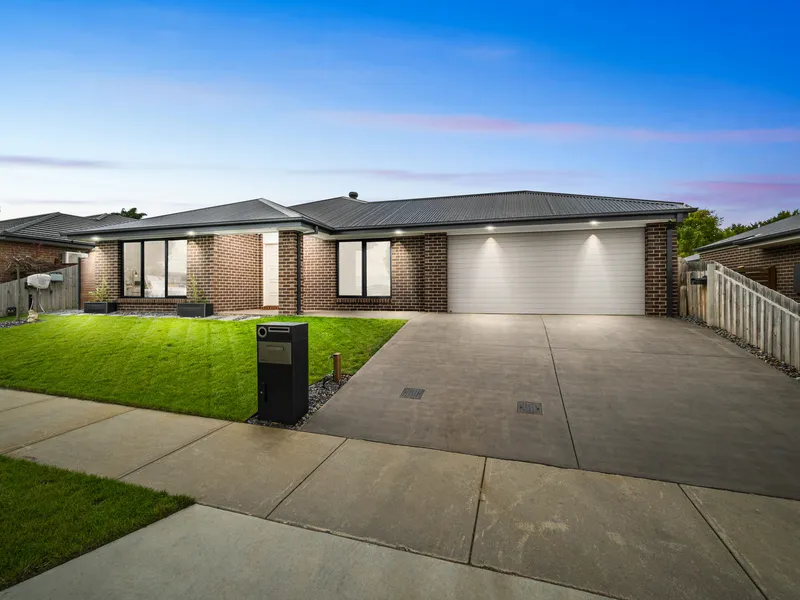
{"x":784,"y":259}
{"x":435,"y":267}
{"x":408,"y":276}
{"x":238,"y":272}
{"x":48,"y":255}
{"x":228,"y":270}
{"x":287,"y":270}
{"x":655,"y":275}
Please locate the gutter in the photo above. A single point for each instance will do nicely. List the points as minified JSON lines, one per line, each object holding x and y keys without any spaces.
{"x":755,"y":241}
{"x":45,"y":242}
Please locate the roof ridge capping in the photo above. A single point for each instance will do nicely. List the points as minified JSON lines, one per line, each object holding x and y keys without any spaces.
{"x":27,"y":224}
{"x":535,"y":192}
{"x":281,"y":209}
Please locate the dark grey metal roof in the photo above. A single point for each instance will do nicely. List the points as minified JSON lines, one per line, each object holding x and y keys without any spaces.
{"x":254,"y":211}
{"x":342,"y":214}
{"x":52,"y":227}
{"x":783,"y":228}
{"x":345,"y":213}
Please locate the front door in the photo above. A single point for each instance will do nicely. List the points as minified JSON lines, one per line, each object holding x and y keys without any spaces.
{"x":271,"y":275}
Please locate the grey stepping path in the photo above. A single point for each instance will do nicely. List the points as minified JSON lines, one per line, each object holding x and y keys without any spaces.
{"x":116,"y":446}
{"x":413,"y":498}
{"x":626,"y":538}
{"x":241,"y":467}
{"x":763,"y":533}
{"x":40,"y":420}
{"x":203,"y":553}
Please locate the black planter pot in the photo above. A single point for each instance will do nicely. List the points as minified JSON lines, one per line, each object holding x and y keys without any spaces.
{"x":99,"y":308}
{"x":190,"y":309}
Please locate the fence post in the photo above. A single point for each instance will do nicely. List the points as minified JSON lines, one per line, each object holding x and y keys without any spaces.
{"x":711,"y":295}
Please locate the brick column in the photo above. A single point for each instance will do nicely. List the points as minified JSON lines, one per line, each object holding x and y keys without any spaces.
{"x":107,"y":266}
{"x":435,"y":264}
{"x":655,"y":273}
{"x":287,"y":270}
{"x":199,"y":264}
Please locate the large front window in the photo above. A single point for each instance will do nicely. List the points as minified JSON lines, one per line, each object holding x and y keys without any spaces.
{"x":154,"y":269}
{"x":365,"y":269}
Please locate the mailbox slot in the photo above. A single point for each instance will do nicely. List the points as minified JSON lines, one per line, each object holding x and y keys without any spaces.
{"x":275,"y":353}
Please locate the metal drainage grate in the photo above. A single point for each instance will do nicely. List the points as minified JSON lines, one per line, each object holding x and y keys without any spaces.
{"x":529,"y":408}
{"x":412,"y":393}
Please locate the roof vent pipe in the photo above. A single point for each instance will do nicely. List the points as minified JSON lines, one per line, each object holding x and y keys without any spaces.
{"x":354,"y":195}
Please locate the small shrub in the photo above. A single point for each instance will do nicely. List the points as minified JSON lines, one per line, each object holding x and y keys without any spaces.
{"x":103,"y":293}
{"x":196,"y":295}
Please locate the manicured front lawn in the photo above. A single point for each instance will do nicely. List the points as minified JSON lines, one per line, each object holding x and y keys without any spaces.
{"x":198,"y":367}
{"x":49,"y":516}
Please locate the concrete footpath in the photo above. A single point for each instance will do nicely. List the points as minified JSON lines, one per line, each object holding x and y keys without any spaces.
{"x":291,"y":514}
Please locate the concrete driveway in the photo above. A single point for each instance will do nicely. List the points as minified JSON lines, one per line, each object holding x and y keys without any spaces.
{"x":653,"y":398}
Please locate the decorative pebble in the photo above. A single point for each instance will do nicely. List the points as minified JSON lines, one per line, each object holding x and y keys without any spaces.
{"x":754,"y":350}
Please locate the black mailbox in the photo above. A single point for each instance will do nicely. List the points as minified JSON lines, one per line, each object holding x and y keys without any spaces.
{"x":282,"y":371}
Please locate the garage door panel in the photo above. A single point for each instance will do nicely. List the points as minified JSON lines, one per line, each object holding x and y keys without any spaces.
{"x":568,"y":272}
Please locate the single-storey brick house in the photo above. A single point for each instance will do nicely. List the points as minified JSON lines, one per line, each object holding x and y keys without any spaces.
{"x":509,"y":252}
{"x":776,"y":244}
{"x":43,"y":238}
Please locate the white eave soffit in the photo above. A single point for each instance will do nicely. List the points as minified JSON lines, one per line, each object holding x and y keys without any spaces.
{"x":495,"y":229}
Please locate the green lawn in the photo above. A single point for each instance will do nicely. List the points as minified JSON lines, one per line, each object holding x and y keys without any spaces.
{"x":192,"y":366}
{"x":48,"y":516}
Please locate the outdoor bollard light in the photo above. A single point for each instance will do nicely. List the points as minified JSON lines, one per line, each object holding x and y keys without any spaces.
{"x":282,"y":371}
{"x":337,"y":367}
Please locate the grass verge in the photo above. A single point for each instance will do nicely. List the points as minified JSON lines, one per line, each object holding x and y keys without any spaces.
{"x":191,"y":366}
{"x":49,"y":516}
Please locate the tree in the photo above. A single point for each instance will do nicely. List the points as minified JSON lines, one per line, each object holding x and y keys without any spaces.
{"x":698,"y":229}
{"x":131,"y":213}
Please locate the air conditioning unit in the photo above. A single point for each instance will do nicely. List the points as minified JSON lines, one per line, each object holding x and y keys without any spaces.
{"x":73,"y":258}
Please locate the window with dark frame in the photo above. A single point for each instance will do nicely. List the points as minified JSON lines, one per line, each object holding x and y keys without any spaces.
{"x":154,"y":269}
{"x":364,"y":269}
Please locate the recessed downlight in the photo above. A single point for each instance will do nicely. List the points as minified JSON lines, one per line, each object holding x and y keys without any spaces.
{"x":490,"y":228}
{"x":398,"y":232}
{"x":594,"y":223}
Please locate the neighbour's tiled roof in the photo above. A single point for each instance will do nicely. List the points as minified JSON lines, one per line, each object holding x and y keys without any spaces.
{"x":51,"y":227}
{"x":347,"y":213}
{"x":344,"y":213}
{"x":779,"y":229}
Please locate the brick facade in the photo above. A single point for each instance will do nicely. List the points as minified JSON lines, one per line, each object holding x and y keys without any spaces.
{"x":419,"y":275}
{"x":287,"y":270}
{"x":228,"y":270}
{"x":784,"y":258}
{"x":48,"y":255}
{"x":655,"y":273}
{"x":435,"y":267}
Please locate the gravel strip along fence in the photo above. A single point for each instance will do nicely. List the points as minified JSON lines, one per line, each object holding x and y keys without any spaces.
{"x":318,"y":394}
{"x":767,"y":358}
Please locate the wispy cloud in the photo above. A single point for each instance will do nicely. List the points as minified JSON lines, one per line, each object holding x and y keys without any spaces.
{"x":50,"y":161}
{"x":472,"y":177}
{"x":564,"y":131}
{"x":742,"y":199}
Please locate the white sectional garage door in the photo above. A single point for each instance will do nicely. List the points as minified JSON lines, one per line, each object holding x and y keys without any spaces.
{"x":560,"y":272}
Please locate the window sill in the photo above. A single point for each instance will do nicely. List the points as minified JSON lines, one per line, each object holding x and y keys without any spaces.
{"x":364,"y":300}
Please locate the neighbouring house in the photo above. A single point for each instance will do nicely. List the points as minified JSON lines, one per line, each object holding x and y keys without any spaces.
{"x":43,"y":238}
{"x":775,"y":245}
{"x":507,"y":252}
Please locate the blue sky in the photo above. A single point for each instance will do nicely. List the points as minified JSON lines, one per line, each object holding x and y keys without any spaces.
{"x":169,"y":106}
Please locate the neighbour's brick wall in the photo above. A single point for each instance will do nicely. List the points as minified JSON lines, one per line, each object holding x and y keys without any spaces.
{"x":287,"y":270}
{"x":784,"y":259}
{"x":435,"y":267}
{"x":655,"y":274}
{"x":319,"y":277}
{"x":48,"y":255}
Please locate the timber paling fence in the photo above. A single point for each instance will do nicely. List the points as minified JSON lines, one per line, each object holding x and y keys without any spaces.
{"x":61,"y":295}
{"x":753,"y":312}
